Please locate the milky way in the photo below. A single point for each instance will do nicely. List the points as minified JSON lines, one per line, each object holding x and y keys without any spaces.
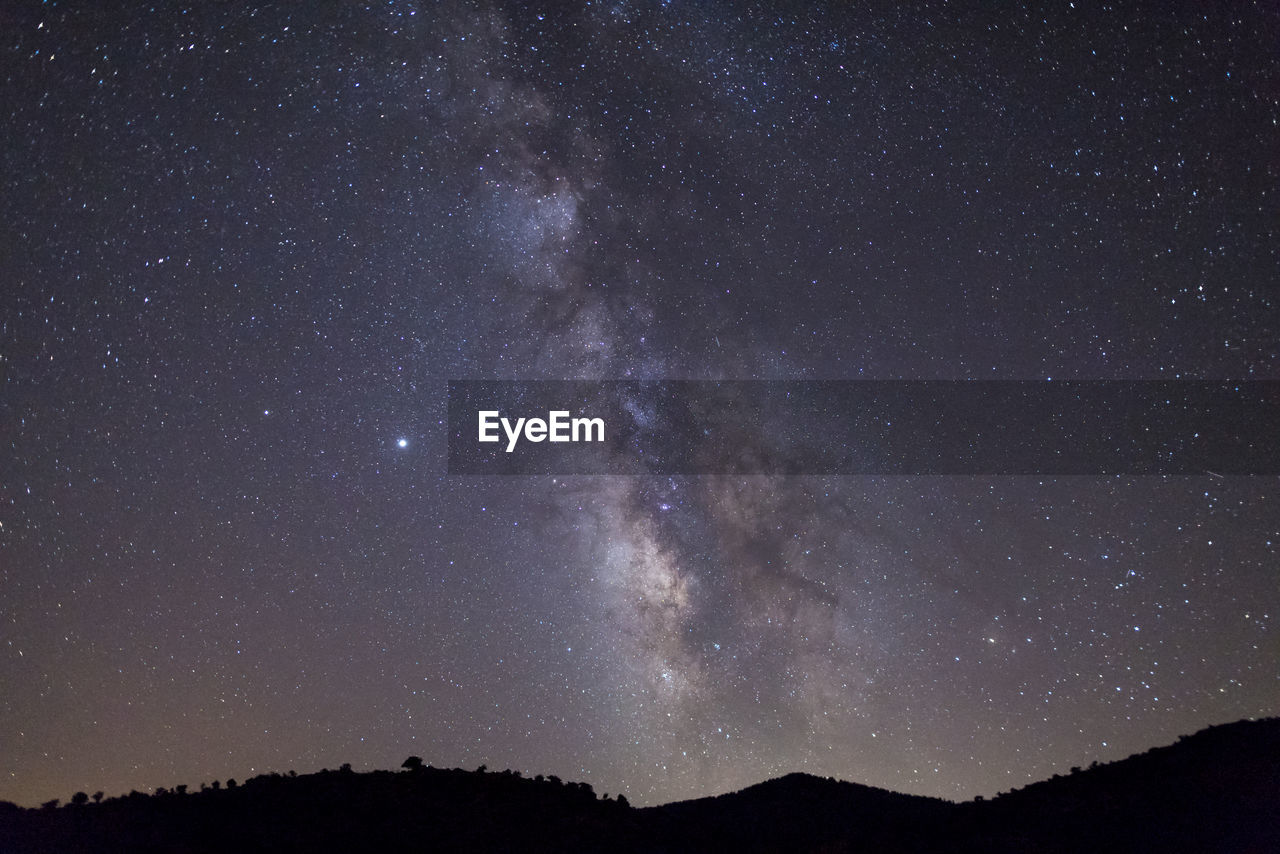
{"x":246,"y":249}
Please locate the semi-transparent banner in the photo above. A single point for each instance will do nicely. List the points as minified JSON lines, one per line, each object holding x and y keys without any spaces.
{"x":887,"y":427}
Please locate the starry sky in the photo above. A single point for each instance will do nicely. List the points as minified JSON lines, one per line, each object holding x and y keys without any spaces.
{"x":246,"y":248}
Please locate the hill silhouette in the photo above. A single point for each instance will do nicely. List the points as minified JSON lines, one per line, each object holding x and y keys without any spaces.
{"x":1218,"y":790}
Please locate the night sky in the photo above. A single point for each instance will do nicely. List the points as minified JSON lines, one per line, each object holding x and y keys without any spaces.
{"x":244,"y":250}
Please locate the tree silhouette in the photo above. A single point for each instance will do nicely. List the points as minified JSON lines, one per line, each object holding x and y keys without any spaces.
{"x":413,"y":763}
{"x":79,"y":799}
{"x":97,"y":797}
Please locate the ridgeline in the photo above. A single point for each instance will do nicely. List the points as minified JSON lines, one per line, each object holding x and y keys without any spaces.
{"x":1216,"y":791}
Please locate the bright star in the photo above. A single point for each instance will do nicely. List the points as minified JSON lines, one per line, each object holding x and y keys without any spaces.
{"x":403,"y":443}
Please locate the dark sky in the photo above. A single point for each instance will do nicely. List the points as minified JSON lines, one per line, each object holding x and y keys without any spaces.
{"x":243,"y":251}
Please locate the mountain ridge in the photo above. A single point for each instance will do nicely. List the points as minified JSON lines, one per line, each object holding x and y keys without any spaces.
{"x":1215,"y":790}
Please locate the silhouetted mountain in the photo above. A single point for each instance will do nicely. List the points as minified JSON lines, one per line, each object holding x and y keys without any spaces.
{"x":800,"y":812}
{"x":1216,"y":791}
